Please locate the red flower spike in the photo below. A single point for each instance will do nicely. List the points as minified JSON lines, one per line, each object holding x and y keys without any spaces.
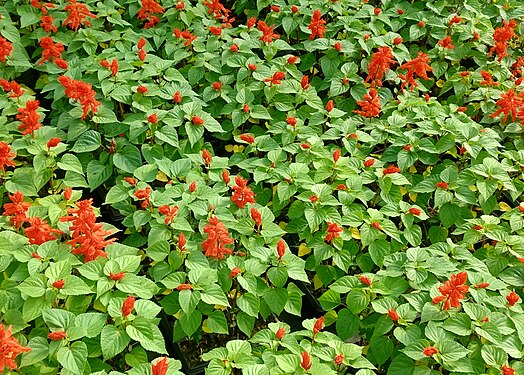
{"x":509,"y":103}
{"x":330,"y":105}
{"x":251,"y":22}
{"x":442,"y":184}
{"x":390,"y":170}
{"x":225,"y":176}
{"x":114,"y":67}
{"x":446,"y":43}
{"x":280,"y":333}
{"x":464,"y":74}
{"x":206,"y":155}
{"x":398,"y":41}
{"x":462,"y":109}
{"x":141,"y":43}
{"x":281,"y":249}
{"x":10,"y":348}
{"x":57,"y":335}
{"x":234,"y":48}
{"x":256,"y":216}
{"x":512,"y":298}
{"x":319,"y":324}
{"x":46,"y":23}
{"x":40,"y":232}
{"x":455,"y":19}
{"x":142,"y":54}
{"x":393,"y":315}
{"x":247,"y":138}
{"x":6,"y":48}
{"x":77,"y":15}
{"x":58,"y":284}
{"x":184,"y":287}
{"x":333,"y":231}
{"x":294,"y":9}
{"x":304,"y":83}
{"x":453,"y":290}
{"x":143,"y":194}
{"x":276,"y":78}
{"x":377,"y":11}
{"x":50,"y":49}
{"x":369,"y":163}
{"x":482,"y":285}
{"x":234,"y":272}
{"x":415,"y":211}
{"x":291,"y":121}
{"x":365,"y":280}
{"x":152,"y":118}
{"x":35,"y":255}
{"x":305,"y":362}
{"x":215,"y":30}
{"x":341,"y":187}
{"x":502,"y":36}
{"x":521,"y":207}
{"x":68,"y":193}
{"x":170,"y":213}
{"x":400,"y":11}
{"x":128,"y":306}
{"x":407,"y":148}
{"x":477,"y":227}
{"x":197,"y":120}
{"x":252,"y":67}
{"x":339,"y":358}
{"x":275,"y":8}
{"x":142,"y":89}
{"x":217,"y":240}
{"x":313,"y":199}
{"x":14,"y":89}
{"x":317,"y":25}
{"x":82,"y":93}
{"x":181,"y":242}
{"x":177,"y":97}
{"x":506,"y":370}
{"x":131,"y":181}
{"x":180,"y":5}
{"x":160,"y":367}
{"x":53,"y":142}
{"x":17,"y":209}
{"x":246,"y":108}
{"x":376,"y":225}
{"x":268,"y":33}
{"x":147,"y":12}
{"x":117,"y":276}
{"x":336,"y":155}
{"x":242,"y":194}
{"x":370,"y":105}
{"x":488,"y":79}
{"x":338,"y":46}
{"x":29,"y":117}
{"x":421,"y":24}
{"x":217,"y":85}
{"x":192,"y":187}
{"x":429,"y":351}
{"x":416,"y":67}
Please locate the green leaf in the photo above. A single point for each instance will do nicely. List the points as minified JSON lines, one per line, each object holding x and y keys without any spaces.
{"x":73,"y":358}
{"x":357,"y":301}
{"x":87,"y":142}
{"x":249,"y":303}
{"x":217,"y":323}
{"x":70,"y":162}
{"x":92,"y":322}
{"x":75,"y":286}
{"x":347,"y":324}
{"x":34,"y":286}
{"x":97,"y":173}
{"x":113,"y":341}
{"x":128,"y":159}
{"x":214,"y":295}
{"x":276,"y":299}
{"x":39,"y":351}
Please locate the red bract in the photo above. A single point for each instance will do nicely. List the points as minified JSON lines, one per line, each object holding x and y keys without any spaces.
{"x":330,"y":105}
{"x":50,"y":49}
{"x":46,"y":23}
{"x":319,"y":324}
{"x":509,"y":103}
{"x":446,"y":43}
{"x":305,"y":362}
{"x":304,"y":83}
{"x":5,"y":156}
{"x":206,"y":155}
{"x":10,"y":348}
{"x":397,"y":41}
{"x":219,"y":11}
{"x":442,"y":184}
{"x":5,"y":49}
{"x":512,"y":298}
{"x":453,"y":290}
{"x":336,"y":155}
{"x":393,"y":314}
{"x":181,"y":243}
{"x":313,"y":199}
{"x":88,"y":237}
{"x":184,"y":287}
{"x":29,"y":117}
{"x":338,"y":46}
{"x":177,"y":97}
{"x":488,"y":79}
{"x":235,"y":271}
{"x":391,"y":169}
{"x":14,"y":89}
{"x":192,"y":187}
{"x":142,"y":89}
{"x":147,"y":12}
{"x":59,"y":284}
{"x":234,"y":48}
{"x":429,"y":351}
{"x":68,"y":192}
{"x":506,"y":370}
{"x":242,"y":194}
{"x":455,"y":19}
{"x":77,"y":15}
{"x":225,"y":176}
{"x":379,"y":64}
{"x":251,"y":22}
{"x":17,"y":209}
{"x":53,"y":142}
{"x":252,"y":67}
{"x":152,"y":118}
{"x":369,"y":163}
{"x":376,"y":225}
{"x":143,"y":194}
{"x":281,"y":249}
{"x":268,"y":32}
{"x":502,"y":36}
{"x":217,"y":239}
{"x":131,"y":181}
{"x":57,"y":335}
{"x":247,"y":138}
{"x":291,"y":121}
{"x":215,"y":30}
{"x":370,"y":105}
{"x":333,"y":231}
{"x":245,"y":108}
{"x":416,"y":67}
{"x":170,"y":213}
{"x":365,"y":280}
{"x":280,"y":333}
{"x":276,"y":78}
{"x":39,"y":231}
{"x":317,"y":25}
{"x":256,"y":216}
{"x":117,"y":276}
{"x":339,"y":358}
{"x":82,"y":93}
{"x":415,"y":211}
{"x":197,"y":120}
{"x":127,"y":306}
{"x":160,"y":367}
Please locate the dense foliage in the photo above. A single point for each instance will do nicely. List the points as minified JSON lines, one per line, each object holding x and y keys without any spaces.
{"x":204,"y":164}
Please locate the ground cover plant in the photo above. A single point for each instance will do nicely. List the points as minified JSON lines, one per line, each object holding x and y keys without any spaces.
{"x":268,"y":187}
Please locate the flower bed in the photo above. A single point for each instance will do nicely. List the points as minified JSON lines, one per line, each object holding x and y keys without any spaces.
{"x":279,"y":188}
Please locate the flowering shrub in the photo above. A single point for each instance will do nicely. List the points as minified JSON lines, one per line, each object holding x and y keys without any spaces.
{"x":205,"y":164}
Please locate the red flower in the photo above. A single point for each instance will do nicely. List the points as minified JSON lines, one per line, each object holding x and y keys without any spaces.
{"x":316,"y":25}
{"x":184,"y":287}
{"x":276,"y":78}
{"x":341,"y":187}
{"x":18,"y":209}
{"x":192,"y":187}
{"x":330,"y":105}
{"x":247,"y":138}
{"x":29,"y":117}
{"x":512,"y":298}
{"x":398,"y":41}
{"x":502,"y":36}
{"x":242,"y":193}
{"x":488,"y":79}
{"x":336,"y":155}
{"x":218,"y":10}
{"x":416,"y":67}
{"x":152,"y":118}
{"x":206,"y":155}
{"x":57,"y":335}
{"x":142,"y":54}
{"x":141,"y":43}
{"x":376,"y":225}
{"x":77,"y":15}
{"x":142,"y":89}
{"x":370,"y":105}
{"x":391,"y":169}
{"x":39,"y":231}
{"x":215,"y":30}
{"x":177,"y":97}
{"x":47,"y":24}
{"x":61,"y":63}
{"x":252,"y":67}
{"x":81,"y":92}
{"x":319,"y":324}
{"x":268,"y":32}
{"x":339,"y":358}
{"x":218,"y":237}
{"x":453,"y":290}
{"x":338,"y":46}
{"x":234,"y":48}
{"x":304,"y":83}
{"x":446,"y":43}
{"x":14,"y":88}
{"x":429,"y":351}
{"x":246,"y":108}
{"x":415,"y":211}
{"x":464,"y":73}
{"x":50,"y":49}
{"x":180,"y":5}
{"x":521,"y":207}
{"x":365,"y":280}
{"x":88,"y":237}
{"x":313,"y":199}
{"x":442,"y":184}
{"x":117,"y":276}
{"x":143,"y":194}
{"x":170,"y":213}
{"x":148,"y":11}
{"x":256,"y":216}
{"x":294,"y":9}
{"x":160,"y":367}
{"x":455,"y":19}
{"x":235,"y":271}
{"x":291,"y":121}
{"x":53,"y":142}
{"x":58,"y":284}
{"x":181,"y":242}
{"x":506,"y":370}
{"x":5,"y":156}
{"x":10,"y":348}
{"x":68,"y":192}
{"x":131,"y":181}
{"x":127,"y":306}
{"x":369,"y":163}
{"x":477,"y":227}
{"x":333,"y":231}
{"x":400,"y":11}
{"x":393,"y":314}
{"x":280,"y":333}
{"x":35,"y":255}
{"x":305,"y":363}
{"x":197,"y":120}
{"x":225,"y":176}
{"x":510,"y":102}
{"x":421,"y":24}
{"x":281,"y":249}
{"x":5,"y":49}
{"x":251,"y":22}
{"x":462,"y":109}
